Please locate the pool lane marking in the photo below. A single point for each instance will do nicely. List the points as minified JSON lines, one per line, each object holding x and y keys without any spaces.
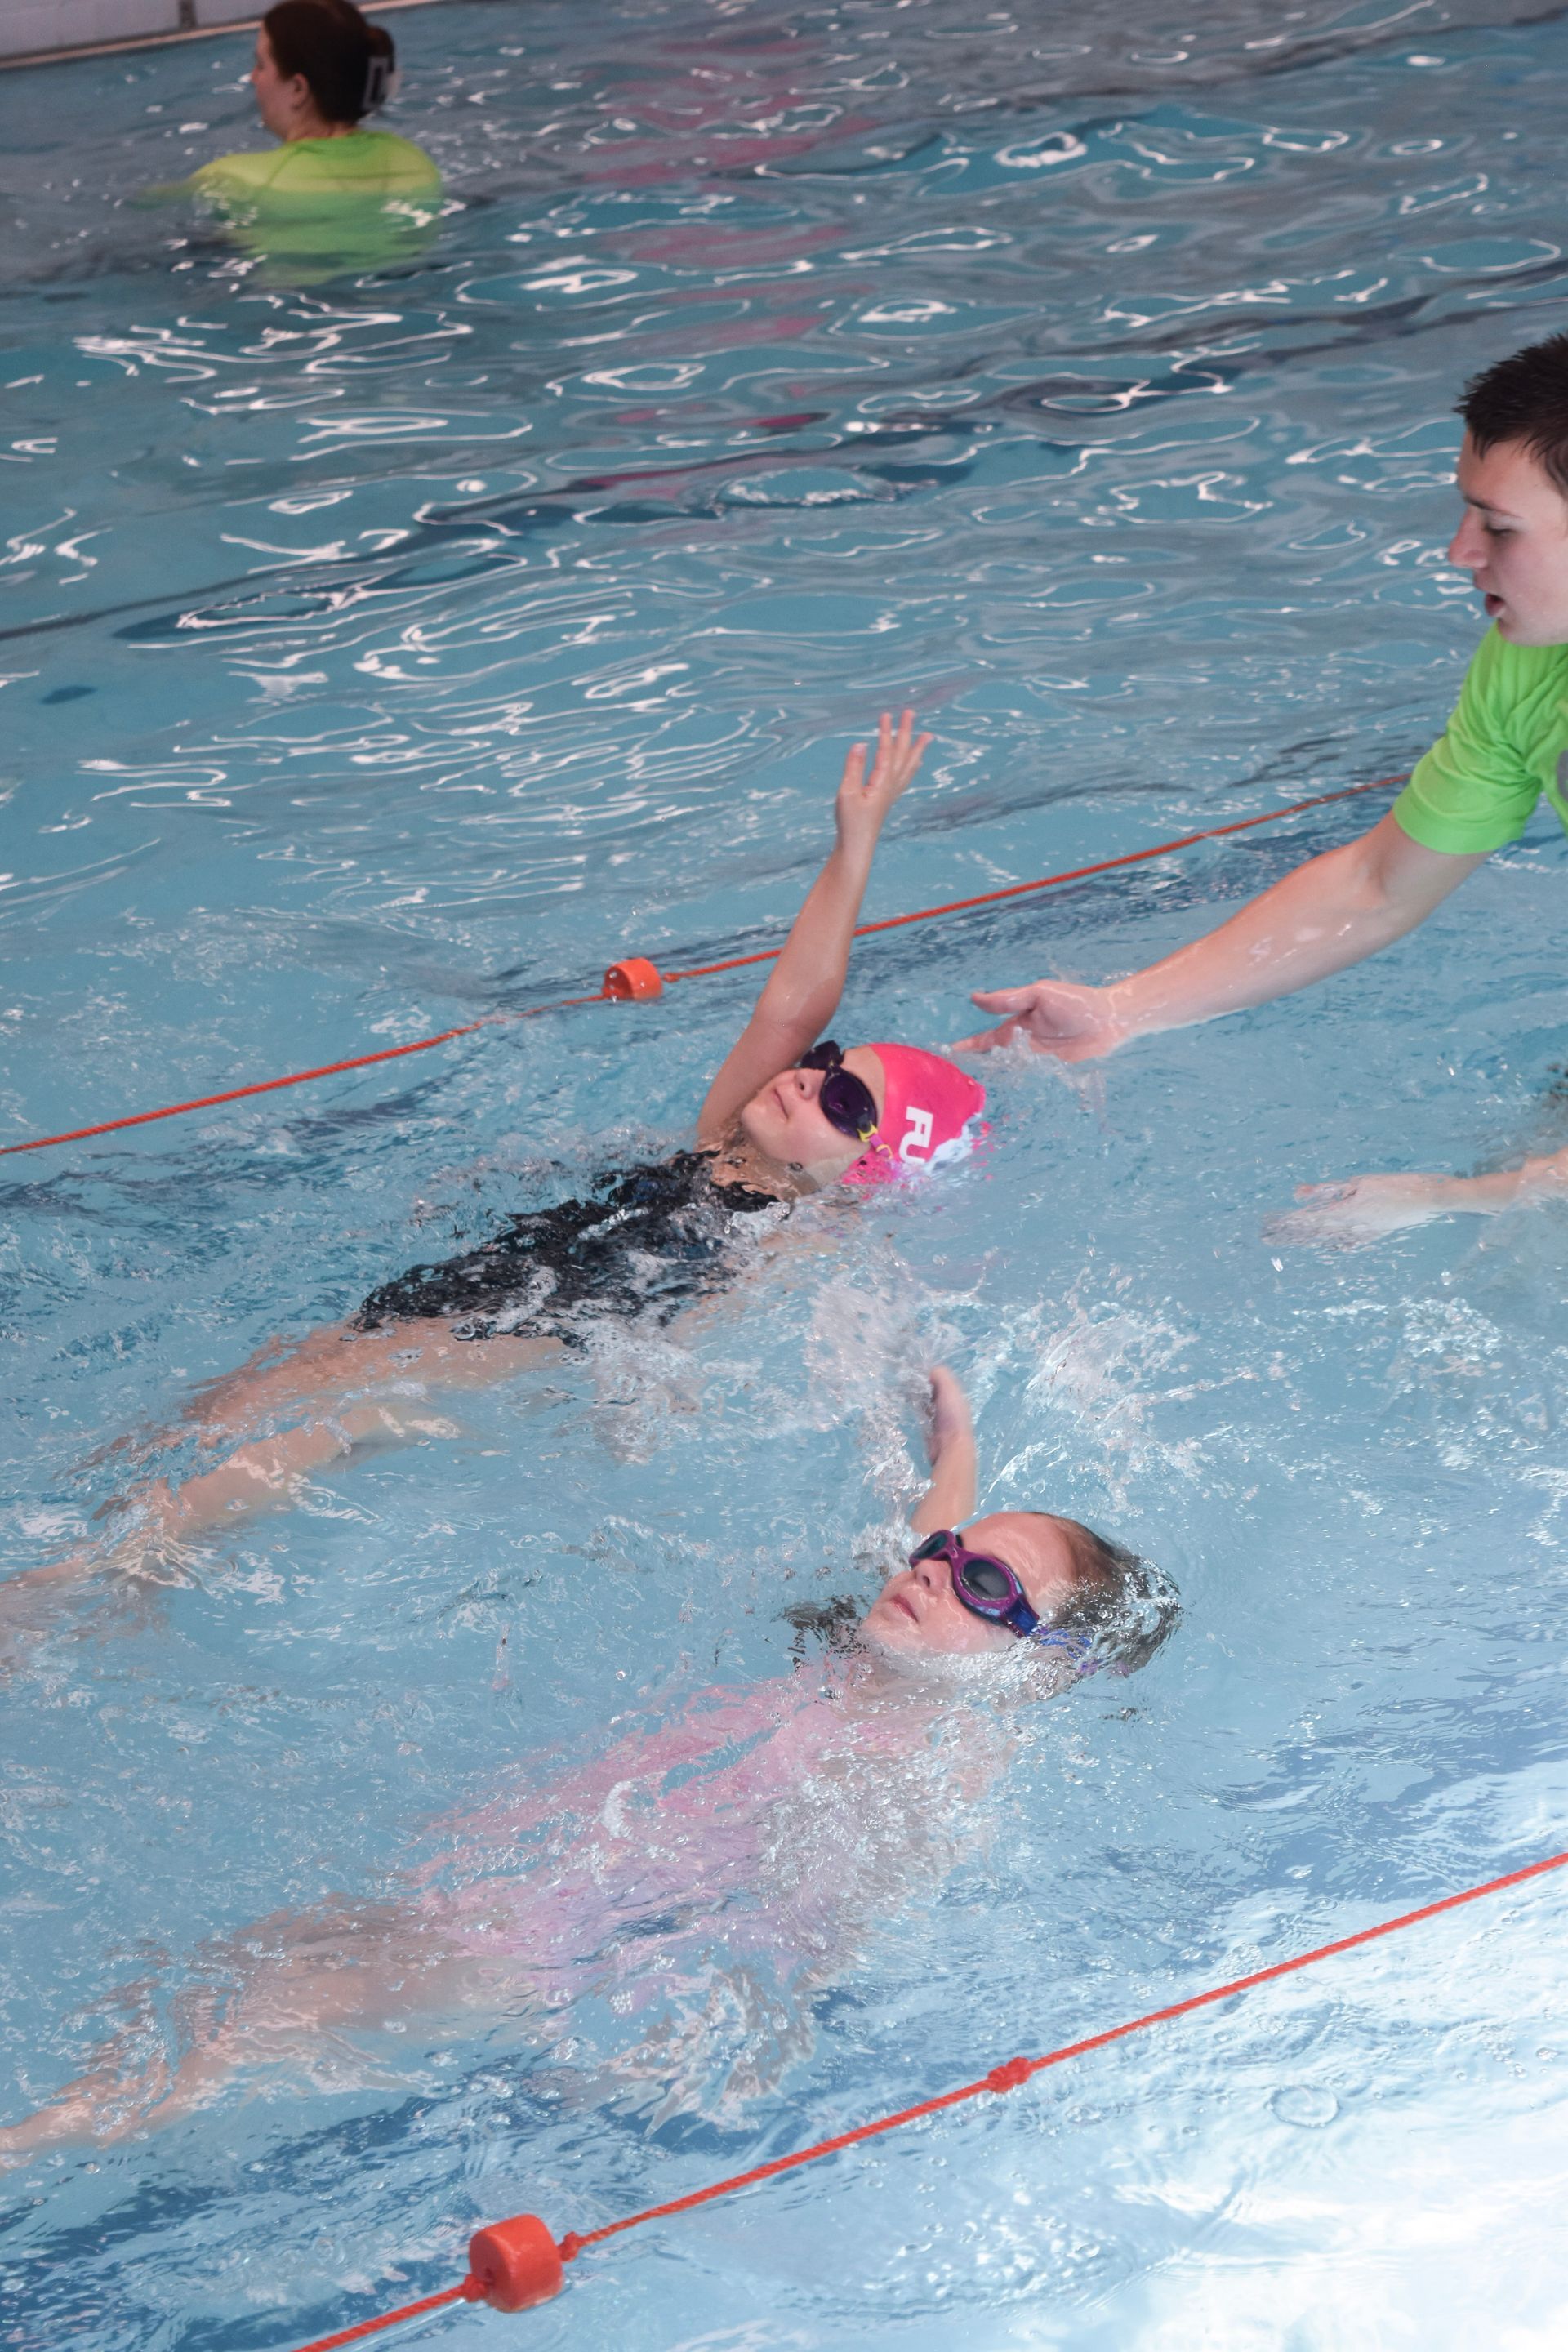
{"x":299,"y":1077}
{"x":608,"y":993}
{"x":392,"y":2319}
{"x":516,"y":2263}
{"x":1073,"y":874}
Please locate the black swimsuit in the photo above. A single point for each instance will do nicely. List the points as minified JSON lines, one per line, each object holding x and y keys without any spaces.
{"x":653,"y":1236}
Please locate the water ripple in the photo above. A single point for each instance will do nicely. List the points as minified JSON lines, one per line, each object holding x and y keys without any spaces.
{"x":399,"y":646}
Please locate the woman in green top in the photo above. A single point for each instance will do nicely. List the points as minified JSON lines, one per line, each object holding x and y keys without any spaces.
{"x":320,"y":70}
{"x":334,"y":195}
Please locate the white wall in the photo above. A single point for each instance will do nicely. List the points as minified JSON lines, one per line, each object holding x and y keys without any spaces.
{"x":31,"y":27}
{"x":29,"y":24}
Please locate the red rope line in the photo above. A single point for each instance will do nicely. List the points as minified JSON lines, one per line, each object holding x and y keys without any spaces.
{"x":389,"y":2319}
{"x":1000,"y":2080}
{"x":696,"y":972}
{"x":297,"y":1077}
{"x":1014,"y":2070}
{"x":1074,"y":873}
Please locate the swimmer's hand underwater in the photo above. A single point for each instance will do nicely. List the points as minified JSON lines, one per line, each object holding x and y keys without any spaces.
{"x":1368,"y":1208}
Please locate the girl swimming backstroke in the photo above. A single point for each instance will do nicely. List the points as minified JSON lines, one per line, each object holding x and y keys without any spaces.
{"x":785,"y":1117}
{"x":700,"y":1879}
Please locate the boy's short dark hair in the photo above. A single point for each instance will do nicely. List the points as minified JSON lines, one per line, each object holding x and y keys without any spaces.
{"x":1524,"y":398}
{"x":1123,"y":1604}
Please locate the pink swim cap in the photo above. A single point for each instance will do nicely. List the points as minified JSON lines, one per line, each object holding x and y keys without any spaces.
{"x":926,"y":1117}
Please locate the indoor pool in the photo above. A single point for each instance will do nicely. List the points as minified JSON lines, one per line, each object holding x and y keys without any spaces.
{"x":387,"y":646}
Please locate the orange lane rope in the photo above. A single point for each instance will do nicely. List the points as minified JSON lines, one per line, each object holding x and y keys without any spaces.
{"x":297,"y":1077}
{"x":393,"y":2318}
{"x":1073,"y":874}
{"x":636,"y":978}
{"x":516,"y":2263}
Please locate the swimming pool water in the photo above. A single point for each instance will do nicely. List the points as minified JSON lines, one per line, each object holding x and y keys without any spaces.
{"x":382,"y":651}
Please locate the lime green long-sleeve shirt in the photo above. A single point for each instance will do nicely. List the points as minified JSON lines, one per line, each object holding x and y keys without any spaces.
{"x":363,"y":164}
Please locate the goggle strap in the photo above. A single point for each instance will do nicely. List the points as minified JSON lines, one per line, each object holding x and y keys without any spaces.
{"x":1078,"y":1646}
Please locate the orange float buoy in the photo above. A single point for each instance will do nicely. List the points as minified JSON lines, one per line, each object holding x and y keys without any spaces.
{"x":514,"y":2264}
{"x":635,"y":981}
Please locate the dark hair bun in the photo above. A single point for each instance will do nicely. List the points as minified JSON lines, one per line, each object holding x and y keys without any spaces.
{"x":348,"y":64}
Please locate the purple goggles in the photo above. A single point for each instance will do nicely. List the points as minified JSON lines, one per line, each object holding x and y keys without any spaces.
{"x":988,"y":1588}
{"x":844,"y":1102}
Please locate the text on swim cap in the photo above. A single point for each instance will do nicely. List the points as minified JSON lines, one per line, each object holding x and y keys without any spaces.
{"x":916,"y":1144}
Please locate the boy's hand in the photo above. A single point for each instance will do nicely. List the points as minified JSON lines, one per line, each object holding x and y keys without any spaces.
{"x":864,"y":801}
{"x":1054,"y":1016}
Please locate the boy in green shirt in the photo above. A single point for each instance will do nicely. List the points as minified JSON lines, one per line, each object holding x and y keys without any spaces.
{"x":1474,"y":791}
{"x":1477,"y":788}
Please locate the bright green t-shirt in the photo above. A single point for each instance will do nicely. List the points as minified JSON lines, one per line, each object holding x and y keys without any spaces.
{"x":314,"y":208}
{"x":1504,"y":746}
{"x":358,"y":164}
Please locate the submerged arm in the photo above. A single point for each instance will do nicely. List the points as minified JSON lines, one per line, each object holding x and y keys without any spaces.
{"x":1366,"y":1207}
{"x":802,"y":993}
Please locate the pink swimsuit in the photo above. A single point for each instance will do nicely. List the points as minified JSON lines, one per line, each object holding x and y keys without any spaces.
{"x":779,"y":1820}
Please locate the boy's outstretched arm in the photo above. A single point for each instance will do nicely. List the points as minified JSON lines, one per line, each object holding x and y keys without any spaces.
{"x":950,"y":1498}
{"x":803,"y":989}
{"x":1327,"y":915}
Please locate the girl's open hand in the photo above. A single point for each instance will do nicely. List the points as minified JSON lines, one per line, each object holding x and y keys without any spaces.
{"x":864,"y":800}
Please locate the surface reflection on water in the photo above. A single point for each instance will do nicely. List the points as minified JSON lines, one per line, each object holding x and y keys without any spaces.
{"x":386,"y":650}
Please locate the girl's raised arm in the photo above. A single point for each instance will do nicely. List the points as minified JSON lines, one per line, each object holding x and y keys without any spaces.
{"x":950,"y":1498}
{"x":803,"y":989}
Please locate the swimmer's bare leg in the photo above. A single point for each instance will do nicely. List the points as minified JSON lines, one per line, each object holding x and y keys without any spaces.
{"x":338,"y":1360}
{"x":267,"y":1473}
{"x":231,"y":1403}
{"x":303,"y":1985}
{"x":403,"y":1364}
{"x":282,"y":1380}
{"x":274,"y":1377}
